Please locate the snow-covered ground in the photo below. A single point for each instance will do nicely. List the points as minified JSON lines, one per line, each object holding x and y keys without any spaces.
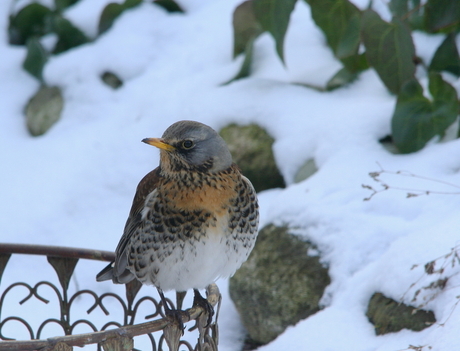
{"x":73,"y":186}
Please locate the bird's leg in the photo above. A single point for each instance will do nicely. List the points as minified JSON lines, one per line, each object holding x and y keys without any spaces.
{"x":199,"y":300}
{"x":175,"y":314}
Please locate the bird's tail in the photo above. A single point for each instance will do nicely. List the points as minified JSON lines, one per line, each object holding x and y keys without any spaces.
{"x":108,"y":273}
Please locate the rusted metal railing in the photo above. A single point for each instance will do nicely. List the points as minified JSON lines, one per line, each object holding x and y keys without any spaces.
{"x":64,"y":260}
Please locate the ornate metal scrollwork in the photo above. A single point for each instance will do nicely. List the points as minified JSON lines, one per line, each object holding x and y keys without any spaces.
{"x":114,"y":334}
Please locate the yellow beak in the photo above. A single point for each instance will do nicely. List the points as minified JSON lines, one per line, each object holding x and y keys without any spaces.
{"x":159,"y":143}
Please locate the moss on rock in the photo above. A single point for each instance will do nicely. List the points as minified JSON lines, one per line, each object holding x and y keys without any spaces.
{"x":279,"y":285}
{"x":44,"y":109}
{"x":388,"y":315}
{"x":251,"y":149}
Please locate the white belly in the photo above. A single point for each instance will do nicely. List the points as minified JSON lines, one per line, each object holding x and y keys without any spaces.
{"x":196,"y":264}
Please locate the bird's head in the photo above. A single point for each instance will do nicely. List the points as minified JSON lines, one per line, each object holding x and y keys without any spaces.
{"x":189,"y":145}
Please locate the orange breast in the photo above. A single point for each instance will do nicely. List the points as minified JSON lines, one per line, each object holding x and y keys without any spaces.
{"x":213,"y":196}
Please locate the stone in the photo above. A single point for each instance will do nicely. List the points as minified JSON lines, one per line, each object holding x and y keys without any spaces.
{"x":388,"y":315}
{"x":251,"y":149}
{"x":279,"y":285}
{"x":389,"y":145}
{"x":306,"y":171}
{"x":112,"y":80}
{"x":44,"y":109}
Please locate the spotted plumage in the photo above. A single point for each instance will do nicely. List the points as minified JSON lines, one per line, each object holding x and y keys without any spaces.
{"x":193,"y":220}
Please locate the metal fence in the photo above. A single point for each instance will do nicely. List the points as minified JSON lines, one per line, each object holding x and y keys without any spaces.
{"x":113,"y":335}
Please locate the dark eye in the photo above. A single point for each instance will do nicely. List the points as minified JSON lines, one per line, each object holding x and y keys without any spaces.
{"x":188,"y":144}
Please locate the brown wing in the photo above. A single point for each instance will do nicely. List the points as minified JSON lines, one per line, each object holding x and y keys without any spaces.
{"x":117,"y":270}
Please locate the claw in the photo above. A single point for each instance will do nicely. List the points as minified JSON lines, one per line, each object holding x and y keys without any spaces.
{"x":175,"y":315}
{"x":199,"y":300}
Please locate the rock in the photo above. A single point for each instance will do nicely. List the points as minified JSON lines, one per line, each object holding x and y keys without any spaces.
{"x":307,"y":170}
{"x":388,"y":315}
{"x":112,"y":80}
{"x":44,"y":109}
{"x":389,"y":145}
{"x":251,"y":149}
{"x":279,"y":285}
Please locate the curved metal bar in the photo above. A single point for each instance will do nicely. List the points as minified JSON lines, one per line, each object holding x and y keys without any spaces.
{"x":46,"y":322}
{"x":52,"y":286}
{"x":208,"y":335}
{"x":159,"y":310}
{"x":82,"y":321}
{"x":120,"y":300}
{"x":82,"y":292}
{"x":97,"y":337}
{"x":23,"y":321}
{"x":161,"y":342}
{"x":155,"y":303}
{"x":109,"y":324}
{"x":152,"y":341}
{"x":31,"y":293}
{"x":57,"y":251}
{"x":88,"y":338}
{"x":186,"y":344}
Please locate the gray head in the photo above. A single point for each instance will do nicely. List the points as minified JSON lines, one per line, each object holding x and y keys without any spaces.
{"x":189,"y":145}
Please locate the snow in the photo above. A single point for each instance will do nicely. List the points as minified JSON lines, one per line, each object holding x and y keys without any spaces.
{"x":73,"y":186}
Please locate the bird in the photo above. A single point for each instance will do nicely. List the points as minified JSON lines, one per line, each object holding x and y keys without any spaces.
{"x":193,"y":219}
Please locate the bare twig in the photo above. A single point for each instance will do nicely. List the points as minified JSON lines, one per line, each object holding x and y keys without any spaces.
{"x":410,"y":192}
{"x":417,"y":348}
{"x":438,"y":269}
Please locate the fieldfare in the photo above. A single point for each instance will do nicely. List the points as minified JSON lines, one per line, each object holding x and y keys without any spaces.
{"x":194,"y":218}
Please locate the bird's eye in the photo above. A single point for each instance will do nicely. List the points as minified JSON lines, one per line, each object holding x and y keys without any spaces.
{"x":188,"y":144}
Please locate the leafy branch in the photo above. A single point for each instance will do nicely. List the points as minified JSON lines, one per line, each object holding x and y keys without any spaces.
{"x":28,"y":25}
{"x":361,"y":40}
{"x":32,"y":22}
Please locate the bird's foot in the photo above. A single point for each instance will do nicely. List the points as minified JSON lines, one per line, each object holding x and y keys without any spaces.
{"x":176,"y":317}
{"x":199,"y":300}
{"x":174,"y":314}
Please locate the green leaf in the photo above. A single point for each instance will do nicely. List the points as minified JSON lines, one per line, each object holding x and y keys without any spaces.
{"x":36,"y":58}
{"x":169,"y":5}
{"x":356,"y":63}
{"x":398,"y":8}
{"x":442,"y":15}
{"x":410,"y":11}
{"x":341,"y":78}
{"x":446,"y":57}
{"x":348,"y":43}
{"x":108,"y":16}
{"x":112,"y":11}
{"x":245,"y":27}
{"x":389,"y":50}
{"x":69,"y":35}
{"x":416,"y":119}
{"x":340,"y":22}
{"x":245,"y":69}
{"x":417,"y":15}
{"x":29,"y":21}
{"x":273,"y":16}
{"x":63,"y":4}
